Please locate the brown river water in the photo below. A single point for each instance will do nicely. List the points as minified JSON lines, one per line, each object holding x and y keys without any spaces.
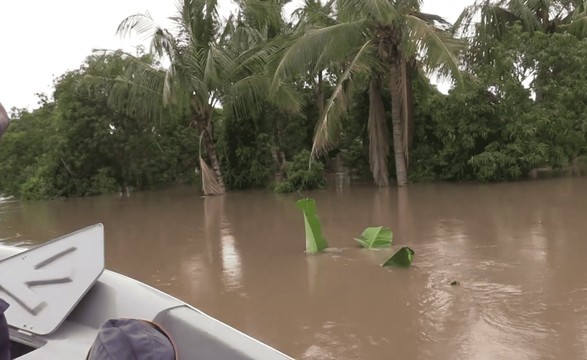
{"x":518,"y":251}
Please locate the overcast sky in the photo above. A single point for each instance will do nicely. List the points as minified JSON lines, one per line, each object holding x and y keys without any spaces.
{"x":42,"y":39}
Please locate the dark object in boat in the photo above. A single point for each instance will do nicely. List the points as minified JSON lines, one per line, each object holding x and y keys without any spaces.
{"x":4,"y":340}
{"x":131,"y":339}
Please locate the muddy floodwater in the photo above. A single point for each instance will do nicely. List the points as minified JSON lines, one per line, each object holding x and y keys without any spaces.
{"x":518,"y":252}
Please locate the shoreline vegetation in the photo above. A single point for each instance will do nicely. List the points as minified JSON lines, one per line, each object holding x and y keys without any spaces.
{"x":260,"y":102}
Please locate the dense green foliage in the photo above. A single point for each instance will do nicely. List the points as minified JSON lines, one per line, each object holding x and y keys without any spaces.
{"x":258,"y":88}
{"x":496,"y":131}
{"x":78,"y":145}
{"x":246,"y":152}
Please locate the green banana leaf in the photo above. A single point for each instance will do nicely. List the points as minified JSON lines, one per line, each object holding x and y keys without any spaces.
{"x":375,"y":237}
{"x":402,"y":258}
{"x":315,"y":241}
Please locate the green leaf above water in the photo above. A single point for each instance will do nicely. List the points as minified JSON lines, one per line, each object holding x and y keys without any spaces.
{"x":402,"y":258}
{"x":375,"y":237}
{"x":315,"y":241}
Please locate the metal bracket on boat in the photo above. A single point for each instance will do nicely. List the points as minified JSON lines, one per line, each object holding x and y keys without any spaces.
{"x":44,"y":284}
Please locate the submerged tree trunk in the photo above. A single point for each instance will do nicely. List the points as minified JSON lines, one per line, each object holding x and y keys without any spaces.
{"x":279,"y":158}
{"x":211,"y":150}
{"x":204,"y":126}
{"x":378,"y":136}
{"x":397,"y":101}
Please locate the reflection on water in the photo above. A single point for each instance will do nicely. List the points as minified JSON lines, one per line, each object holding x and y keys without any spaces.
{"x":517,"y":251}
{"x":231,"y":264}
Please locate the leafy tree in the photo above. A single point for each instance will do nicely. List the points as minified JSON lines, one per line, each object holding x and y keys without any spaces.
{"x":488,"y":20}
{"x":496,"y":131}
{"x":493,"y":18}
{"x":79,"y":145}
{"x":25,"y":150}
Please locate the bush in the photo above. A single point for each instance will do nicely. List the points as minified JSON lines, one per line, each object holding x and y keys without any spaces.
{"x":302,"y":175}
{"x":284,"y":187}
{"x":103,"y":183}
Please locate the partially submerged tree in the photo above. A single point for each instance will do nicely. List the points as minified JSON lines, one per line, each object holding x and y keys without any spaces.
{"x":195,"y":75}
{"x":387,"y":42}
{"x":209,"y":66}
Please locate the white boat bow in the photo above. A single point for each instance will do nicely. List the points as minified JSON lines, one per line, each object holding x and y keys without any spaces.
{"x":60,"y":294}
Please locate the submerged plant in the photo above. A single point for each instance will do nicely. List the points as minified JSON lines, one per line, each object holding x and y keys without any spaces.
{"x":372,"y":237}
{"x":402,"y":258}
{"x":315,"y":241}
{"x":375,"y":237}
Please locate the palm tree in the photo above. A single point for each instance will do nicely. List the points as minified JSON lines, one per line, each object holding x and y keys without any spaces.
{"x":209,"y":66}
{"x":4,"y":120}
{"x":386,"y":41}
{"x":194,"y":77}
{"x":198,"y":73}
{"x":314,"y":15}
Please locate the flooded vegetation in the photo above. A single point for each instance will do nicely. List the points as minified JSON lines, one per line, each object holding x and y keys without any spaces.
{"x":259,"y":100}
{"x":499,"y":270}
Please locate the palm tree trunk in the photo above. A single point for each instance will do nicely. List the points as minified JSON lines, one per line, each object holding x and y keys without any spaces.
{"x":410,"y":68}
{"x":279,"y":158}
{"x":319,"y":96}
{"x":395,"y":82}
{"x":378,"y":135}
{"x":205,"y":128}
{"x":211,"y":150}
{"x":543,"y":16}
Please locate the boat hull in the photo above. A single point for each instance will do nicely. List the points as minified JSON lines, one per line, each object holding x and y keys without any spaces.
{"x":196,"y":335}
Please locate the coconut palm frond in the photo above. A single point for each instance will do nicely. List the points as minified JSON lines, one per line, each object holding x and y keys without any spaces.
{"x":137,"y":88}
{"x":326,"y":133}
{"x":382,"y":11}
{"x":198,"y":22}
{"x":262,"y":15}
{"x":142,"y":24}
{"x":314,"y":14}
{"x":577,"y":27}
{"x":210,"y":74}
{"x":163,"y":44}
{"x":432,"y":18}
{"x":287,"y":98}
{"x":440,"y":48}
{"x":327,"y":44}
{"x":248,"y":94}
{"x":525,"y":12}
